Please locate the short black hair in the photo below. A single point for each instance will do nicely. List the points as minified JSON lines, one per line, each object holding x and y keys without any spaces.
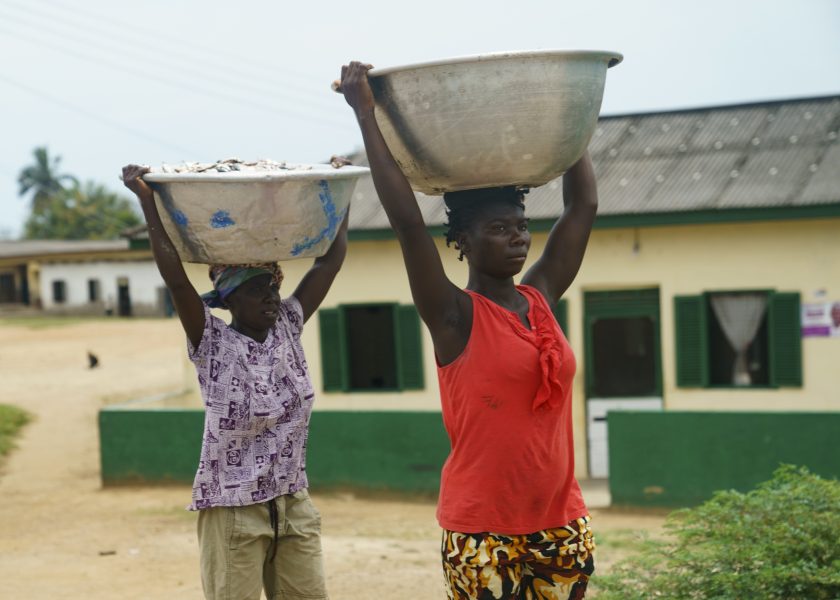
{"x":463,"y":208}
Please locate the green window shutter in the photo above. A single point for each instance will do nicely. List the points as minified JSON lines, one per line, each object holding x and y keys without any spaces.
{"x":561,"y":313}
{"x":333,"y":353}
{"x":409,"y":348}
{"x":785,"y":339}
{"x":691,"y":341}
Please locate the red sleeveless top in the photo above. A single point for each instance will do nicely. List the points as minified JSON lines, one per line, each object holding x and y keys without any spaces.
{"x":507,"y":407}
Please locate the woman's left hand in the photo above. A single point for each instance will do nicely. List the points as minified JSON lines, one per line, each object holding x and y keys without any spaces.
{"x":356,"y":88}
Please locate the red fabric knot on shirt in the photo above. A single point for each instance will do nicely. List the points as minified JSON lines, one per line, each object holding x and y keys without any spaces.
{"x":544,"y":336}
{"x":550,"y":392}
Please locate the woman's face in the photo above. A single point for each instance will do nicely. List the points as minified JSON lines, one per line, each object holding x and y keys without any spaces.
{"x":498,"y":242}
{"x":256,"y":303}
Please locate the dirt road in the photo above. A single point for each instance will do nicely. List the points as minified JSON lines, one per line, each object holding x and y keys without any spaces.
{"x":63,"y":536}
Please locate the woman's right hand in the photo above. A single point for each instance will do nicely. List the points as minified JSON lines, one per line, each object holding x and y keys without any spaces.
{"x":356,"y":88}
{"x":132,"y":176}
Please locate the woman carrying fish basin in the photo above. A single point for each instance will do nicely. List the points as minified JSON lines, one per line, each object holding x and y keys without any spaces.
{"x":257,"y":526}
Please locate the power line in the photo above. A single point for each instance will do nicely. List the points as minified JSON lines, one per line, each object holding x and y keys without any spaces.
{"x":135,"y":29}
{"x":91,"y":115}
{"x":178,"y":83}
{"x":180,"y":43}
{"x":229,"y":76}
{"x":170,"y":82}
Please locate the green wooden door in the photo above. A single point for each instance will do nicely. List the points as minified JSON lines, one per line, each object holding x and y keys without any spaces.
{"x":622,"y":335}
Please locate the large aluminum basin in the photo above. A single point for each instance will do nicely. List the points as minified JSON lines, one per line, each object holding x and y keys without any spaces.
{"x":511,"y":118}
{"x":242,"y":217}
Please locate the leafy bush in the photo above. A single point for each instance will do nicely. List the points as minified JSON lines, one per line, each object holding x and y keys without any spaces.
{"x":779,"y":541}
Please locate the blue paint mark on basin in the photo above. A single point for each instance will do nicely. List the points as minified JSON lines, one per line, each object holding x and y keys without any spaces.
{"x":334,"y":219}
{"x":179,"y":218}
{"x":221,"y":219}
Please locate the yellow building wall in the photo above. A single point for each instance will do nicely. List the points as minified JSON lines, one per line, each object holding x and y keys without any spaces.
{"x":801,"y":256}
{"x":791,"y":256}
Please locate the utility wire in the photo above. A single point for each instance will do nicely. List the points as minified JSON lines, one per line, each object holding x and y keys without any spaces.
{"x":43,"y":21}
{"x":92,"y":115}
{"x":205,"y":92}
{"x":201,"y":51}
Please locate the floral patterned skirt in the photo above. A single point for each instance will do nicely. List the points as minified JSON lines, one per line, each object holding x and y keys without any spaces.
{"x":552,"y":564}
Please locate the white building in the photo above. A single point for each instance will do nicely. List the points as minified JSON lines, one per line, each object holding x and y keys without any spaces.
{"x":105,"y":277}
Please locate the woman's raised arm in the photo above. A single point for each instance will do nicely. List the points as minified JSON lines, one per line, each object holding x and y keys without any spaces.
{"x":188,"y":303}
{"x":442,"y":306}
{"x":555,"y":270}
{"x":314,"y":286}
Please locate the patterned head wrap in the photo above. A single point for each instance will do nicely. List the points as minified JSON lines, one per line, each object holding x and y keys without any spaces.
{"x":226,"y":278}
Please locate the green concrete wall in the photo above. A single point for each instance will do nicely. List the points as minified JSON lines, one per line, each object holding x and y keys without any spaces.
{"x":149,"y":446}
{"x":680,"y":458}
{"x":401,"y":451}
{"x":382,"y":450}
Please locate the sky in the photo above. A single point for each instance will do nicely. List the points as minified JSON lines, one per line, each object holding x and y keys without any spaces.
{"x":103,"y":83}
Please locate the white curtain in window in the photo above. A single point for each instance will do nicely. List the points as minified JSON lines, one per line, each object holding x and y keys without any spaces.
{"x":740,"y":316}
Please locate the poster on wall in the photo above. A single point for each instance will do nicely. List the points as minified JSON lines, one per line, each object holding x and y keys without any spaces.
{"x":821,"y":319}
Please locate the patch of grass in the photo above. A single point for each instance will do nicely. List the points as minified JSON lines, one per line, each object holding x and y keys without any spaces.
{"x":621,"y":539}
{"x":11,"y":420}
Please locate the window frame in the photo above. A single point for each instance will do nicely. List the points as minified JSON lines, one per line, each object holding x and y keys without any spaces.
{"x":707,"y":295}
{"x":335,"y":366}
{"x":94,"y":284}
{"x":646,"y":307}
{"x":773,"y":325}
{"x":10,"y":276}
{"x":62,"y":284}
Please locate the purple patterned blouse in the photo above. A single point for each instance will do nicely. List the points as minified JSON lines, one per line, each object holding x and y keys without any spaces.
{"x":258,"y":399}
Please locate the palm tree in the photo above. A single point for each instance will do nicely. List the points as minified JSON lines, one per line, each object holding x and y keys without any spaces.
{"x":43,"y":178}
{"x":84,"y":212}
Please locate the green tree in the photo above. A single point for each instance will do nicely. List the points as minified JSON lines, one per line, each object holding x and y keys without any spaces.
{"x":84,"y":212}
{"x":43,"y":179}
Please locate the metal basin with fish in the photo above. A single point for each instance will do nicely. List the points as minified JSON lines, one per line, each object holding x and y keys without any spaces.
{"x":241,"y":217}
{"x":508,"y":118}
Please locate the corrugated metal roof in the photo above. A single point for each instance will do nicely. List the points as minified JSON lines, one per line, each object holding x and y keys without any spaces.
{"x":823,"y":186}
{"x":771,"y":154}
{"x":775,"y":177}
{"x":727,"y":128}
{"x":698,"y":180}
{"x":607,"y":135}
{"x":12,"y":249}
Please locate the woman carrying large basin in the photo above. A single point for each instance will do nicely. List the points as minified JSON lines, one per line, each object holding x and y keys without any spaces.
{"x":257,"y":527}
{"x":514,"y":520}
